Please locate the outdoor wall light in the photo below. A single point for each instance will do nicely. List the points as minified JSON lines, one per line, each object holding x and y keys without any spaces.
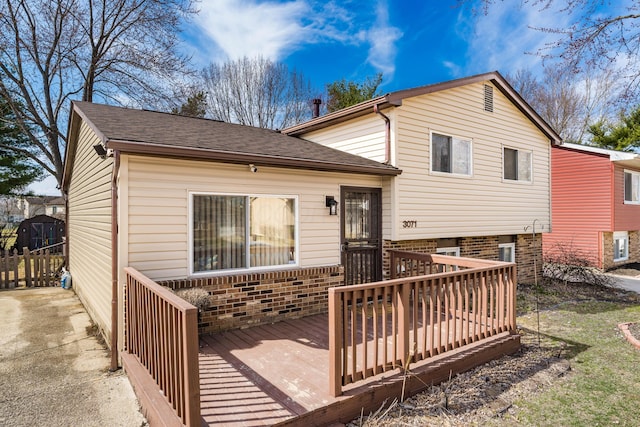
{"x":332,"y":204}
{"x":100,"y":151}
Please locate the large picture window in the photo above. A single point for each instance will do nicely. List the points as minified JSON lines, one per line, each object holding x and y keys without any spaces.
{"x":450,"y":155}
{"x":242,"y":232}
{"x":517,"y":164}
{"x":631,"y":187}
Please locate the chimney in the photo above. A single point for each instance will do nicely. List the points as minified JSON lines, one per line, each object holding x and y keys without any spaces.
{"x":316,"y":107}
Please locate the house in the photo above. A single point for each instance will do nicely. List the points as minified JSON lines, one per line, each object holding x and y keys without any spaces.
{"x":475,"y":161}
{"x":267,"y":221}
{"x":43,"y":205}
{"x":596,"y":206}
{"x":248,"y":213}
{"x":11,"y":211}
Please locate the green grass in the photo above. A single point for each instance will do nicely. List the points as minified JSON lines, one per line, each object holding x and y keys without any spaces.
{"x":603,"y":386}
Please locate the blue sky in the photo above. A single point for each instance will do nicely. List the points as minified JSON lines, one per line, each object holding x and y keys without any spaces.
{"x":411,"y":42}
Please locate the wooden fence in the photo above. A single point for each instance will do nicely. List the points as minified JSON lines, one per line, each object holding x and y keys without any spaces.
{"x":161,"y":354}
{"x":432,"y":304}
{"x":37,"y":268}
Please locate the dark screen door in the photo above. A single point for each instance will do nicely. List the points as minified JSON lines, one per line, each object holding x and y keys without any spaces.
{"x":361,"y":211}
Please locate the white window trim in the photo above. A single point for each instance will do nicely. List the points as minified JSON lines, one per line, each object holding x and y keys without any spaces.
{"x":459,"y":175}
{"x":511,"y":245}
{"x":227,"y":272}
{"x":621,"y":235}
{"x":517,"y":181}
{"x":443,"y":251}
{"x":624,"y":190}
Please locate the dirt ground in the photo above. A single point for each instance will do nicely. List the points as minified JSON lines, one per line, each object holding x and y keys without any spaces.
{"x":54,"y":370}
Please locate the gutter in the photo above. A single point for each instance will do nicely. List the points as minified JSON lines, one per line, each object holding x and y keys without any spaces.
{"x":387,"y":133}
{"x":114,"y":262}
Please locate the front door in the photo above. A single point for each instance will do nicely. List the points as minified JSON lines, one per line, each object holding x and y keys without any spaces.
{"x":361,"y":229}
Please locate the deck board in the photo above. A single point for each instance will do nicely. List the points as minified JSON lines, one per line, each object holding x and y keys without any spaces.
{"x":279,"y":373}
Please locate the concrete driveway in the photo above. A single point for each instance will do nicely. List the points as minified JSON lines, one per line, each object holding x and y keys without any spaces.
{"x":627,"y":282}
{"x":53,"y":370}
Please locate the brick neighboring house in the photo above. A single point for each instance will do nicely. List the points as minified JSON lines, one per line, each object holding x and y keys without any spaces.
{"x":476,"y":167}
{"x":596,"y":205}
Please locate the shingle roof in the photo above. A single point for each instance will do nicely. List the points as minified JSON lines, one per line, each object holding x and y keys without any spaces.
{"x":152,"y":132}
{"x":394,"y":99}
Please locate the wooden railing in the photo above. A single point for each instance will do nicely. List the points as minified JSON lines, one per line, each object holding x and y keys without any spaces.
{"x":37,"y":268}
{"x":162,"y":333}
{"x":450,"y":302}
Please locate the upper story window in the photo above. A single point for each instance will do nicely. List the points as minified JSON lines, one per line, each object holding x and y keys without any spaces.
{"x":631,"y":187}
{"x":516,"y":164}
{"x":242,"y":232}
{"x":450,"y":154}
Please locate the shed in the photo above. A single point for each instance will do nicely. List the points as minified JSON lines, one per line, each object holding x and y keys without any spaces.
{"x":39,"y":232}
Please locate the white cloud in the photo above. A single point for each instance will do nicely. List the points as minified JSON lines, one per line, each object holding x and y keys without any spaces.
{"x":507,"y":38}
{"x":383,"y":37}
{"x":250,"y":28}
{"x":233,"y":29}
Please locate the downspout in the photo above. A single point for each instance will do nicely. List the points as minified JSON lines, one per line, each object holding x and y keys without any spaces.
{"x":114,"y":262}
{"x":387,"y":134}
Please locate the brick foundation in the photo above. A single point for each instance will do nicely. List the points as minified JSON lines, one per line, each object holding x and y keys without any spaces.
{"x":485,"y":247}
{"x":607,"y":249}
{"x":251,"y":299}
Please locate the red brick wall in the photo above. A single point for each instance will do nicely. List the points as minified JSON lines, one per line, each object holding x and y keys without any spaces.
{"x":485,"y":247}
{"x":607,"y":249}
{"x":252,"y":299}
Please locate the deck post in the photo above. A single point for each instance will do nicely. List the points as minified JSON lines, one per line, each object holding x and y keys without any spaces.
{"x":335,"y":347}
{"x":512,"y":298}
{"x":403,"y":324}
{"x":192,"y":368}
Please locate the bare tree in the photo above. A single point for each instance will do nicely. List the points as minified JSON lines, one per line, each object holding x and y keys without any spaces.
{"x":257,"y":92}
{"x":118,"y":51}
{"x":599,"y":37}
{"x":569,"y":102}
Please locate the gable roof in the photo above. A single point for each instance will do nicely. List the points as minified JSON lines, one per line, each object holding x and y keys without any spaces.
{"x":624,"y":158}
{"x":169,"y":135}
{"x":394,"y":99}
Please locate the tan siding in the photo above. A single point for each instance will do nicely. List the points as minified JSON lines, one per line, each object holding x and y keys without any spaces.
{"x":158,"y":208}
{"x":89,"y":229}
{"x":362,"y":136}
{"x":442,"y":204}
{"x":447,"y":206}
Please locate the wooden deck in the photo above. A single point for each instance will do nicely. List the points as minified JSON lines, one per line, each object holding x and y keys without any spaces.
{"x":279,"y":374}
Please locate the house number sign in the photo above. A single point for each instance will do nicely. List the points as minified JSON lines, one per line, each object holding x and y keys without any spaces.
{"x":410,"y":224}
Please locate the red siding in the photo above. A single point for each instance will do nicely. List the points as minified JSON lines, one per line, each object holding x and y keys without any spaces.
{"x":626,"y":216}
{"x":581,"y":202}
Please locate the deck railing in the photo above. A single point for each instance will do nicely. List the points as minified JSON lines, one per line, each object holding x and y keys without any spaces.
{"x":35,"y":268}
{"x":432,"y":304}
{"x":162,"y":334}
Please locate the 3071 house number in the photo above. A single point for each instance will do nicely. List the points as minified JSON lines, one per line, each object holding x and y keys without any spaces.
{"x":410,"y":224}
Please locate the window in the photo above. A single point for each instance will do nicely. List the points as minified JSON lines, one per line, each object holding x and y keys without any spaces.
{"x":516,"y":164}
{"x":507,"y":252}
{"x":450,"y":155}
{"x":448,"y":247}
{"x":631,"y":187}
{"x":620,"y":246}
{"x":242,"y":232}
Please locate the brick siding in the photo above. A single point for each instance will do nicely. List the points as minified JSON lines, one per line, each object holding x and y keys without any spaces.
{"x":607,"y":249}
{"x":485,"y":247}
{"x":251,"y":299}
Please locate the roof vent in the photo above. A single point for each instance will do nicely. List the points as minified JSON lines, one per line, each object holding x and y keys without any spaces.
{"x":488,"y":98}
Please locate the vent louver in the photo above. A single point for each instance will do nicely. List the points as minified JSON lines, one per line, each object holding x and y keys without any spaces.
{"x":488,"y":98}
